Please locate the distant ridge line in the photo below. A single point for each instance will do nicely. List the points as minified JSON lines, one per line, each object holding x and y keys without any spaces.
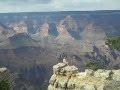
{"x":98,"y":11}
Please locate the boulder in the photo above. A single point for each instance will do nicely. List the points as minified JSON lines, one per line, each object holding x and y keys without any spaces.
{"x":102,"y":73}
{"x":63,"y":84}
{"x":116,"y":75}
{"x":58,"y":67}
{"x":112,"y":85}
{"x":88,"y":87}
{"x":71,"y":70}
{"x":89,"y":72}
{"x":52,"y":79}
{"x":70,"y":85}
{"x":101,"y":87}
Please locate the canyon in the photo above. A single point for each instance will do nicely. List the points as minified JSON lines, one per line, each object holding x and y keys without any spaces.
{"x":31,"y":43}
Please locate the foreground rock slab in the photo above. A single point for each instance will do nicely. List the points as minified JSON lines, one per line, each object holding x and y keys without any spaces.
{"x":67,"y":77}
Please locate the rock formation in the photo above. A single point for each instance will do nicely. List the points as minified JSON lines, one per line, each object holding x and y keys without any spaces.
{"x":44,"y":29}
{"x":20,"y":27}
{"x":70,"y":23}
{"x":67,"y":77}
{"x":64,"y":36}
{"x":5,"y":33}
{"x":42,"y":32}
{"x":93,"y":34}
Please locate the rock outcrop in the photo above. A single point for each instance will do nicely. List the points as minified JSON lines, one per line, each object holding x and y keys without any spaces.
{"x":20,"y":27}
{"x":64,"y":36}
{"x":67,"y":77}
{"x":93,"y":34}
{"x":5,"y":33}
{"x":42,"y":32}
{"x":70,"y":23}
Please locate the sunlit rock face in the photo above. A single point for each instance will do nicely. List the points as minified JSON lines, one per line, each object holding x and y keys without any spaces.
{"x":70,"y":23}
{"x":63,"y":35}
{"x":42,"y":32}
{"x":20,"y":27}
{"x":67,"y":77}
{"x":66,"y":24}
{"x":93,"y":34}
{"x":44,"y":29}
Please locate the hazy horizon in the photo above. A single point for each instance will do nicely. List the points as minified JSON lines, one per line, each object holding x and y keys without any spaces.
{"x":56,"y":11}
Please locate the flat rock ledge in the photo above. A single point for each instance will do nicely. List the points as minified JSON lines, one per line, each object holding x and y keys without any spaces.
{"x":67,"y":77}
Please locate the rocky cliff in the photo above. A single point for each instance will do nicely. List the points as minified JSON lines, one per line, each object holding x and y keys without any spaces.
{"x":67,"y":77}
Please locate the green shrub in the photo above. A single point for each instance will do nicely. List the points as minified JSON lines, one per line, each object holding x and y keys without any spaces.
{"x":113,"y":42}
{"x":4,"y":85}
{"x":96,"y":64}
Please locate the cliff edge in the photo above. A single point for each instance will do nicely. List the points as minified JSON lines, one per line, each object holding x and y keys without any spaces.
{"x":67,"y":77}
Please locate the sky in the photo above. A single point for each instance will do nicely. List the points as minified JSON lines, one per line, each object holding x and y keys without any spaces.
{"x":57,"y":5}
